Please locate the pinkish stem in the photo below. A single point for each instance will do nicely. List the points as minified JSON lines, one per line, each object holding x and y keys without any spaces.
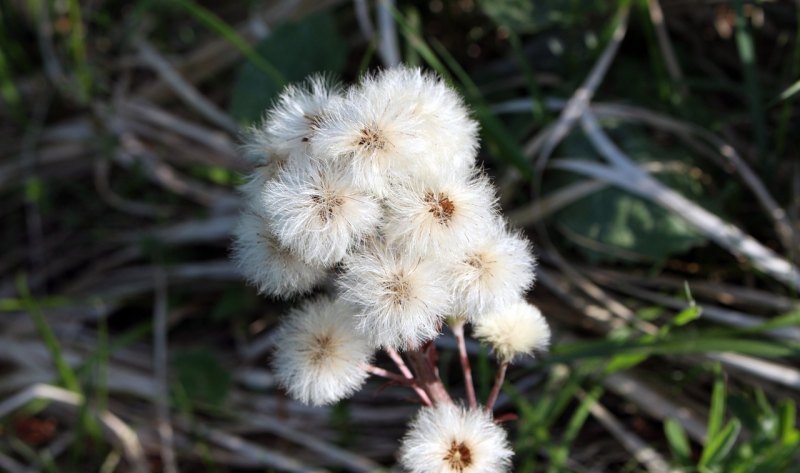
{"x":378,"y":371}
{"x":401,"y":365}
{"x":499,"y":377}
{"x":426,"y":375}
{"x":458,"y":331}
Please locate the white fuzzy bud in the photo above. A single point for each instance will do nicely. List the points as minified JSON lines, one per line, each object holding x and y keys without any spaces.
{"x":316,"y":212}
{"x":321,"y":357}
{"x":494,"y":270}
{"x":439,"y":215}
{"x":513,"y":330}
{"x":271,"y":268}
{"x":451,"y":439}
{"x":402,"y":297}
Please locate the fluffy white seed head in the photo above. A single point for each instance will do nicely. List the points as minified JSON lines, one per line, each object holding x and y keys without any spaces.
{"x":292,"y":122}
{"x":439,"y":215}
{"x":320,"y":358}
{"x":446,"y":126}
{"x":450,"y":439}
{"x":516,"y":329}
{"x":402,"y":298}
{"x":494,"y":270}
{"x":268,"y":266}
{"x":316,"y":212}
{"x":376,"y":135}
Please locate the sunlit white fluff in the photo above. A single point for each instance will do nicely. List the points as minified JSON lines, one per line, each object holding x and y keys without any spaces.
{"x":291,"y":124}
{"x":378,"y":136}
{"x":446,"y":126}
{"x":272,"y":269}
{"x":494,"y":270}
{"x":451,"y":439}
{"x":402,"y":297}
{"x":320,"y":357}
{"x":513,"y":330}
{"x":439,"y":215}
{"x":317,"y":213}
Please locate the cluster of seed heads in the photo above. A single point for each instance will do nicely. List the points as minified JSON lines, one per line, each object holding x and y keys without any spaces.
{"x":373,"y":193}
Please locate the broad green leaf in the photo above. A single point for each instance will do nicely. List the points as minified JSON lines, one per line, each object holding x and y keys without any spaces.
{"x":721,"y":444}
{"x":678,"y":441}
{"x":202,"y":377}
{"x":311,"y":45}
{"x":615,"y":225}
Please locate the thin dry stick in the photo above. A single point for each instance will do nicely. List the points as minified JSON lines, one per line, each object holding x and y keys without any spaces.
{"x":388,"y":47}
{"x":458,"y":331}
{"x":627,"y":175}
{"x":363,"y":19}
{"x":581,"y":98}
{"x":401,"y":365}
{"x":184,"y":89}
{"x":165,"y":432}
{"x":662,"y":36}
{"x":499,"y":378}
{"x":312,"y":443}
{"x":645,"y":454}
{"x":249,"y":450}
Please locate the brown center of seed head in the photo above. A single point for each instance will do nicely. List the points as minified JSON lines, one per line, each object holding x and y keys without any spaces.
{"x":440,"y":206}
{"x":458,"y":457}
{"x":322,"y":348}
{"x":313,"y":120}
{"x":371,"y":139}
{"x":326,"y":205}
{"x":399,"y":290}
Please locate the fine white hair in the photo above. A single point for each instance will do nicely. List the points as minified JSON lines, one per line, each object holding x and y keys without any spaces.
{"x":513,"y":330}
{"x":450,"y":133}
{"x":494,"y":270}
{"x":439,"y":215}
{"x":402,"y":297}
{"x":271,"y":268}
{"x":377,"y":135}
{"x":317,"y":212}
{"x":451,"y":439}
{"x":321,"y":358}
{"x":292,"y":122}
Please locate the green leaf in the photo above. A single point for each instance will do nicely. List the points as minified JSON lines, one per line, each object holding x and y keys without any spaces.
{"x":612,"y":224}
{"x":787,"y":416}
{"x":721,"y":444}
{"x":202,"y":377}
{"x":298,"y":50}
{"x":678,"y":441}
{"x":716,"y":416}
{"x":687,"y":315}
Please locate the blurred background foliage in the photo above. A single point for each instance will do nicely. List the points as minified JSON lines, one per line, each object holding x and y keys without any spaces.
{"x":129,"y":343}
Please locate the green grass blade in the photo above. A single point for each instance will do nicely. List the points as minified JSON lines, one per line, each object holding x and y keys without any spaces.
{"x":747,"y":54}
{"x":717,"y":413}
{"x":790,"y":92}
{"x":77,"y":48}
{"x":678,"y":441}
{"x":720,"y":445}
{"x":68,"y":378}
{"x":787,"y":417}
{"x":215,"y":24}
